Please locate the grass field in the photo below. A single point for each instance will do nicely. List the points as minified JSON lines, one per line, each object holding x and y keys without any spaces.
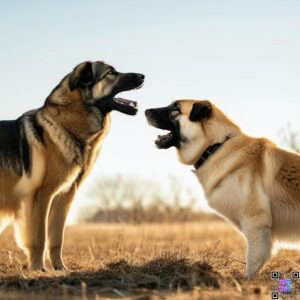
{"x":203,"y":260}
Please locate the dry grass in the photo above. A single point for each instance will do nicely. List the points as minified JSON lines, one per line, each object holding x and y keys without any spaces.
{"x":201,"y":260}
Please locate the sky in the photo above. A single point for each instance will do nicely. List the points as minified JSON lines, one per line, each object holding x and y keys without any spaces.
{"x":242,"y":55}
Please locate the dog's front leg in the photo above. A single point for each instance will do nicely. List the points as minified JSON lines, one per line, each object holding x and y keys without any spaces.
{"x":38,"y":226}
{"x":30,"y":227}
{"x":56,"y":225}
{"x":3,"y":223}
{"x":259,"y":245}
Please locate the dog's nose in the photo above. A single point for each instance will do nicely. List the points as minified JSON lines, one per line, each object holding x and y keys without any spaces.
{"x":140,"y":76}
{"x":148,"y":112}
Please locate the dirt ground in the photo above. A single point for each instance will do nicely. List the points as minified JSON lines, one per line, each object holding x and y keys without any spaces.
{"x":203,"y":260}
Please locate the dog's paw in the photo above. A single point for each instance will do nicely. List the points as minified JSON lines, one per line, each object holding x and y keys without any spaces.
{"x":59,"y":266}
{"x":38,"y":267}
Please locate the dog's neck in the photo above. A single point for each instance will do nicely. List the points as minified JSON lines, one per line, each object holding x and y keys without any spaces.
{"x":210,"y":150}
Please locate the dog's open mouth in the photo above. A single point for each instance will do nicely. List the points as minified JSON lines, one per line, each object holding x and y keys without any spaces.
{"x":165,"y":141}
{"x":171,"y":138}
{"x":124,"y":106}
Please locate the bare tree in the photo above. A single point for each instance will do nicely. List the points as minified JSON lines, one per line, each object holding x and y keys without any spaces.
{"x":290,"y":138}
{"x":134,"y":199}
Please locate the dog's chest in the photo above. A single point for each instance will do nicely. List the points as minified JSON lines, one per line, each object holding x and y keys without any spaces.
{"x":69,"y":180}
{"x":229,"y":198}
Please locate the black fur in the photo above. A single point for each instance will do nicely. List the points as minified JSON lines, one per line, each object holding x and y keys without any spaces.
{"x":105,"y":105}
{"x":15,"y":151}
{"x":80,"y":144}
{"x":38,"y":130}
{"x":48,"y":99}
{"x":11,"y":140}
{"x":83,"y":79}
{"x":9,"y":146}
{"x":87,"y":74}
{"x":201,"y":110}
{"x":25,"y":152}
{"x":162,"y":119}
{"x":90,"y":74}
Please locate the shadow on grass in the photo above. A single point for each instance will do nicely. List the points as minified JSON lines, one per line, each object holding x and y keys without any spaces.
{"x":122,"y":278}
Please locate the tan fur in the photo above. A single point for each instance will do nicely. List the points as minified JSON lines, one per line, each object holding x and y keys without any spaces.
{"x":48,"y":152}
{"x":39,"y":203}
{"x":249,"y":181}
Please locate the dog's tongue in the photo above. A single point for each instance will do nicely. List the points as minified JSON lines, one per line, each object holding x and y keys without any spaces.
{"x":123,"y":101}
{"x":125,"y":106}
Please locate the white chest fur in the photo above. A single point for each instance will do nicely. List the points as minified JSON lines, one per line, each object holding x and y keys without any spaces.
{"x":228,"y":198}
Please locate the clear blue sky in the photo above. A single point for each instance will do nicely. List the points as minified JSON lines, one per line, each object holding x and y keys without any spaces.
{"x":243,"y":55}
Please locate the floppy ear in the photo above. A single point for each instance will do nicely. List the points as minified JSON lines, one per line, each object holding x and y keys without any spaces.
{"x":201,"y":110}
{"x":82,"y":76}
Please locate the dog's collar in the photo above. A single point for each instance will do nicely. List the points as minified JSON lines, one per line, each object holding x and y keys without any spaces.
{"x":208,"y":153}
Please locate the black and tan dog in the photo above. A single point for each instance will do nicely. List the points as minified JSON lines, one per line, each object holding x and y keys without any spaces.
{"x":247,"y":180}
{"x":46,"y":153}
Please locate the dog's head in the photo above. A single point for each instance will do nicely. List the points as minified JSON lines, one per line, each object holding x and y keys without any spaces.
{"x":99,"y":83}
{"x":193,"y":126}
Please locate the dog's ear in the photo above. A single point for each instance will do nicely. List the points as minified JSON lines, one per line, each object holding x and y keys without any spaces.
{"x":82,"y":76}
{"x":201,"y":110}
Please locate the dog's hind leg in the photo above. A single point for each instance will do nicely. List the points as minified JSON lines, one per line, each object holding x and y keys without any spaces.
{"x":56,"y":225}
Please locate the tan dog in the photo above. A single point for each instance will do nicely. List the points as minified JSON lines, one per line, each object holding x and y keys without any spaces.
{"x":249,"y":181}
{"x":46,"y":153}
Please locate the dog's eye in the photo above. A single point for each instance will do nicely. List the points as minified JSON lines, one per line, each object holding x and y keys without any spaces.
{"x":111,"y":72}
